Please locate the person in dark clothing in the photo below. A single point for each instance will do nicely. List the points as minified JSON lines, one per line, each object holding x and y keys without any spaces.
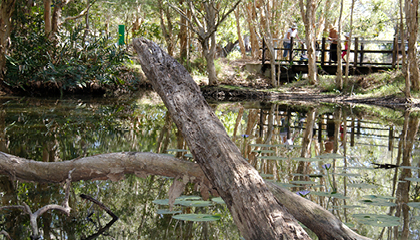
{"x":333,"y":36}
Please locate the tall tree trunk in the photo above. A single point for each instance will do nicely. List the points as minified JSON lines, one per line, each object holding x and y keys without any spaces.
{"x":346,"y":79}
{"x":56,"y":17}
{"x":47,"y":17}
{"x":401,"y":47}
{"x":253,"y":207}
{"x":238,"y":31}
{"x":209,"y":47}
{"x":252,"y":30}
{"x":183,"y":38}
{"x":408,"y":137}
{"x":6,"y":10}
{"x":308,"y":12}
{"x":411,"y":14}
{"x":339,"y":77}
{"x":265,"y":29}
{"x":166,"y":30}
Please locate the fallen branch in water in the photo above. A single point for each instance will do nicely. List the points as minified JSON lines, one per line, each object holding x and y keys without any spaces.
{"x":105,"y":166}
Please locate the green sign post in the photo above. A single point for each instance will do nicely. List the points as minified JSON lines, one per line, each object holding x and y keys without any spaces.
{"x":121,"y":30}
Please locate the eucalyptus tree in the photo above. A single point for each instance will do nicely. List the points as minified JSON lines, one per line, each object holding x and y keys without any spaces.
{"x":238,"y":30}
{"x":412,"y":22}
{"x":53,"y":15}
{"x":269,"y":13}
{"x":7,"y":8}
{"x":349,"y":44}
{"x":250,"y":13}
{"x":167,"y":29}
{"x":206,"y":17}
{"x":308,"y":10}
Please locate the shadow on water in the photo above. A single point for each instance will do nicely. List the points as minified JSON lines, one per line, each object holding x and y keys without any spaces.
{"x":359,"y":162}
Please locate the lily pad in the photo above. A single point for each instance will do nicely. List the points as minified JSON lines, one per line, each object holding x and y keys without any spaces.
{"x":166,"y":211}
{"x":164,"y":202}
{"x":286,"y":185}
{"x":263,"y":175}
{"x":300,"y":159}
{"x":261,"y":145}
{"x":375,"y":197}
{"x":287,"y":145}
{"x":273,"y":158}
{"x":413,"y":179}
{"x":347,"y":174}
{"x":188,"y":155}
{"x":352,"y":206}
{"x":414,"y":204}
{"x":197,"y":217}
{"x":321,"y":194}
{"x":197,"y":203}
{"x":178,"y":201}
{"x":303,"y":182}
{"x":330,"y":156}
{"x":381,"y":201}
{"x":188,"y":197}
{"x":377,"y":220}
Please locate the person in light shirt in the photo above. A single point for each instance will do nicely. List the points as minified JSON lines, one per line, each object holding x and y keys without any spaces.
{"x":291,"y":33}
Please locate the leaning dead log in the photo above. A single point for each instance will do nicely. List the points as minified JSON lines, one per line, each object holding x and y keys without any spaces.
{"x":113,"y":166}
{"x":237,"y":182}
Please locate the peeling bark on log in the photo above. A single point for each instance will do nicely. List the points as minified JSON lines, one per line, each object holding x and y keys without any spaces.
{"x":324,"y":224}
{"x":238,"y":183}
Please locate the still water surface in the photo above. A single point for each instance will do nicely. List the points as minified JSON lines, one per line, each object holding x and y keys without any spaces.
{"x":359,"y":162}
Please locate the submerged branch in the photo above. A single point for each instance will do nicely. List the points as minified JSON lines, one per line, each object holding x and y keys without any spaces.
{"x":34,"y":216}
{"x":115,"y":165}
{"x":106,"y":209}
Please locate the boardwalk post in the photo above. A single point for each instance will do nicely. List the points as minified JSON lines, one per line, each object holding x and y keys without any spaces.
{"x":291,"y":50}
{"x":323,"y":51}
{"x":356,"y":47}
{"x":352,"y":133}
{"x":391,"y":138}
{"x":263,"y":52}
{"x":394,"y":52}
{"x":362,"y":47}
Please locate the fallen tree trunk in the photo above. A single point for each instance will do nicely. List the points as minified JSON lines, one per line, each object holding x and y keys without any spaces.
{"x":114,"y":166}
{"x":237,"y":182}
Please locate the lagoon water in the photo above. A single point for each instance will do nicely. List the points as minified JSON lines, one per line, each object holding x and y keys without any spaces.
{"x":359,"y":162}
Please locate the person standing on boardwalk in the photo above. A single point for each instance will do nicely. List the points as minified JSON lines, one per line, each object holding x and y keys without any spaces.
{"x":333,"y":36}
{"x":291,"y":33}
{"x":346,"y":46}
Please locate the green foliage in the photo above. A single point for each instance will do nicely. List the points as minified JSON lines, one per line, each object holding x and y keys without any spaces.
{"x":198,"y":66}
{"x":76,"y":62}
{"x":150,"y":30}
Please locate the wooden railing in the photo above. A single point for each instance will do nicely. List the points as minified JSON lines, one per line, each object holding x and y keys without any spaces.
{"x":358,"y":49}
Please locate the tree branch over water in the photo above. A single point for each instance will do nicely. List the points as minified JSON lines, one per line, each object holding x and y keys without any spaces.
{"x":114,"y":166}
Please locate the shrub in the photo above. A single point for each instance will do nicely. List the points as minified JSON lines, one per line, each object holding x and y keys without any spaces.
{"x":71,"y":64}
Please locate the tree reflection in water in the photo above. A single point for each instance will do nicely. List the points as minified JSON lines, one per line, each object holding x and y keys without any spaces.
{"x":68,"y":129}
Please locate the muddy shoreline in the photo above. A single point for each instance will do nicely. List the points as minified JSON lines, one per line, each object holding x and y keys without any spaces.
{"x":224,"y":94}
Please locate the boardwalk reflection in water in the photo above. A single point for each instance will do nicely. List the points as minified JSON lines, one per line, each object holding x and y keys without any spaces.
{"x":287,"y":144}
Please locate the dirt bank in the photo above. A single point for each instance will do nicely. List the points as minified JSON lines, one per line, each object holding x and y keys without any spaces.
{"x":238,"y":84}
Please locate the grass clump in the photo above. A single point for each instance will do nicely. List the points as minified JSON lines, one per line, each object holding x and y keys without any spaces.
{"x":380,"y":84}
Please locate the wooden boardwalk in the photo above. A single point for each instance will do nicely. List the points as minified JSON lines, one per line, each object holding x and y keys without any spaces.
{"x":365,"y":57}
